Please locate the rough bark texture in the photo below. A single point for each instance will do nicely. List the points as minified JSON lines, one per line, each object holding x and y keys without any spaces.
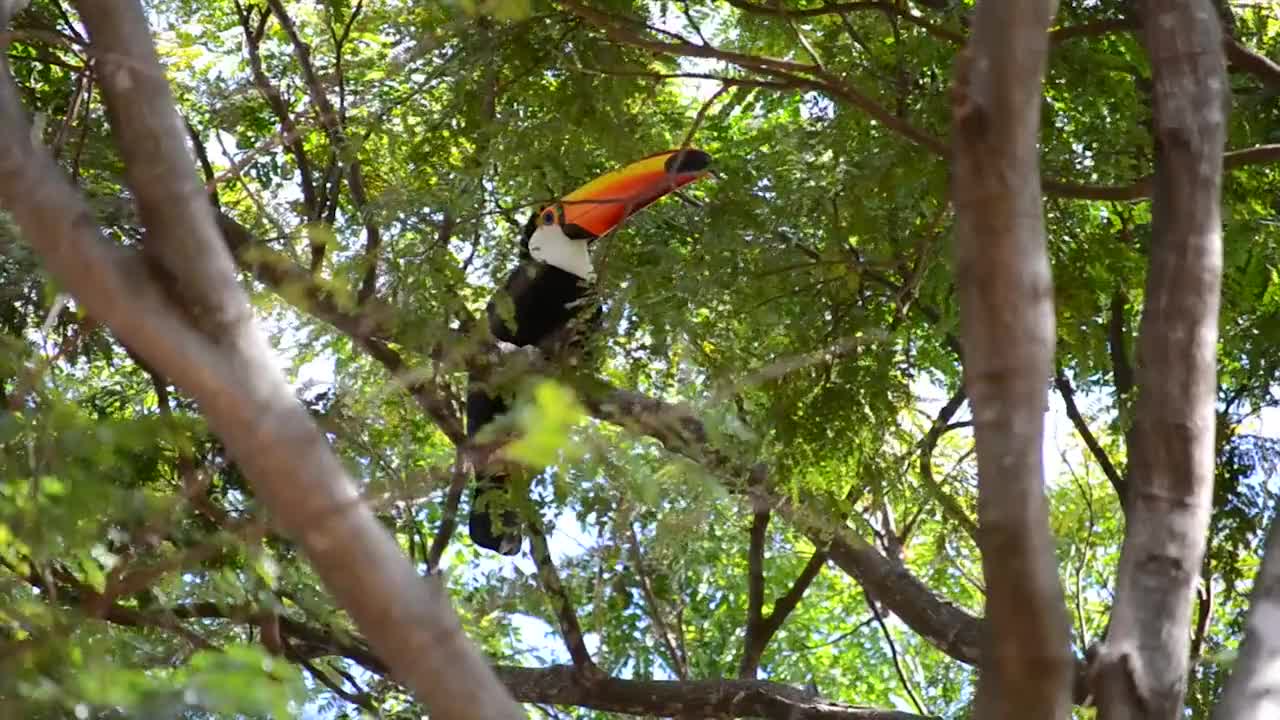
{"x":1141,"y":668}
{"x":1253,"y":689}
{"x":1007,"y":334}
{"x":201,"y":335}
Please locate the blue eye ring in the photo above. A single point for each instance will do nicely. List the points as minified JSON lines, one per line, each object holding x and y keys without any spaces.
{"x":549,"y":217}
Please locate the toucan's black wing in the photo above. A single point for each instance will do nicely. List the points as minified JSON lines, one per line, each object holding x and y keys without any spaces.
{"x":542,"y":299}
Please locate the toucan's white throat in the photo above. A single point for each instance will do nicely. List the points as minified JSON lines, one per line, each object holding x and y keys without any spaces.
{"x":550,"y":245}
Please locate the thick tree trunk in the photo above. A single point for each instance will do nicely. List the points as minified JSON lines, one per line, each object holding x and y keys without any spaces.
{"x":1141,"y":668}
{"x":1007,"y":323}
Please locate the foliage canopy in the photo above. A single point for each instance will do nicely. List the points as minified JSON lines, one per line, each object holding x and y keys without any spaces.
{"x":801,"y":305}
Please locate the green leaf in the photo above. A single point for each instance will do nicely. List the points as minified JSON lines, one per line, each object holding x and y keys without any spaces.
{"x":544,"y":422}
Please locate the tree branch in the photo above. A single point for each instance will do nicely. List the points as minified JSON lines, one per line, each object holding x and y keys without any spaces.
{"x":170,"y":202}
{"x":449,"y":515}
{"x":1253,"y":686}
{"x":359,"y":699}
{"x":674,"y":698}
{"x":660,"y":629}
{"x":752,"y":644}
{"x":1005,"y":291}
{"x":893,"y":653}
{"x":208,"y":344}
{"x":369,"y":325}
{"x":802,"y":75}
{"x":288,"y":128}
{"x":788,"y":74}
{"x":845,"y":8}
{"x":1204,"y":613}
{"x":1068,"y":394}
{"x":333,"y":124}
{"x":1064,"y":33}
{"x":928,"y":444}
{"x":1117,"y":345}
{"x":767,"y":627}
{"x":561,"y":603}
{"x":1141,"y":667}
{"x":1266,"y":70}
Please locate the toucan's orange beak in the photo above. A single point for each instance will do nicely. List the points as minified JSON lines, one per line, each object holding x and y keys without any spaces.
{"x":601,"y":205}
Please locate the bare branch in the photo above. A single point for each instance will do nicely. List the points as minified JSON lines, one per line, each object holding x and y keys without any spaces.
{"x":369,"y":324}
{"x":846,"y":8}
{"x":319,"y":98}
{"x":1143,"y":188}
{"x":333,"y":124}
{"x":785,"y":74}
{"x":802,"y":75}
{"x":701,"y":116}
{"x":158,"y":168}
{"x":1266,"y":70}
{"x":1254,"y":62}
{"x":1062,"y":34}
{"x":359,"y":699}
{"x":1204,"y":613}
{"x":786,"y":604}
{"x":767,"y":627}
{"x":555,"y":685}
{"x":81,"y":96}
{"x":674,"y":698}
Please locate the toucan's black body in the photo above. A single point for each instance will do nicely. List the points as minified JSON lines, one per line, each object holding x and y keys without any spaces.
{"x":545,"y":300}
{"x":551,"y":307}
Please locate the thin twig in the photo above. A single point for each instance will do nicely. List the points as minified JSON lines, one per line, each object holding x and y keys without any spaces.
{"x":897,"y":662}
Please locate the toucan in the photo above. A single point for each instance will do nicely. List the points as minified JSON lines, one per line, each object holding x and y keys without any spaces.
{"x":548,"y":291}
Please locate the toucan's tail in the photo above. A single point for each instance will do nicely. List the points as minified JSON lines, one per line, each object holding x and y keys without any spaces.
{"x":494,"y":528}
{"x":494,"y":522}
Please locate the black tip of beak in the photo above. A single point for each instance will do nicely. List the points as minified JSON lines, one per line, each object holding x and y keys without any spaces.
{"x":688,"y":161}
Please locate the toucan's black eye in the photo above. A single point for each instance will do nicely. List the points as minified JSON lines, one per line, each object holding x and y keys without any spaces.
{"x":549,"y":218}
